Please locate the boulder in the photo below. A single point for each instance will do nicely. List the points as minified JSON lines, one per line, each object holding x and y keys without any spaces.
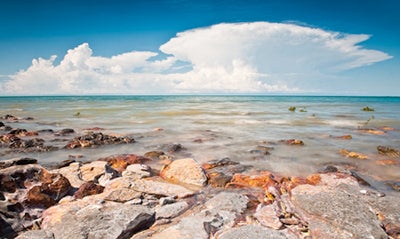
{"x":87,"y":219}
{"x":171,"y":210}
{"x":161,"y":188}
{"x":186,"y":171}
{"x":333,"y":213}
{"x":88,"y":188}
{"x":121,"y":161}
{"x":137,"y":171}
{"x":36,"y":234}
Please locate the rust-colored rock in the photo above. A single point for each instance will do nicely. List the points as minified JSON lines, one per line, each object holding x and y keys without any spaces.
{"x":88,"y":188}
{"x":388,"y":151}
{"x":263,"y":180}
{"x":346,"y":137}
{"x":292,"y":142}
{"x":387,"y":162}
{"x":121,"y":161}
{"x":218,"y":179}
{"x":372,"y":131}
{"x":351,"y":154}
{"x":218,"y":163}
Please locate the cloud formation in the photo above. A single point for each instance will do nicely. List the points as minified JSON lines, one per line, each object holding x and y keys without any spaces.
{"x":224,"y":58}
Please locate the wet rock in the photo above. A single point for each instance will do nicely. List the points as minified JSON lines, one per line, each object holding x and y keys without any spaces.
{"x":351,"y":154}
{"x":385,"y":162}
{"x":137,"y":171}
{"x":64,"y":163}
{"x":88,"y":188}
{"x":27,"y":190}
{"x":252,"y":232}
{"x":333,"y":213}
{"x":96,"y":139}
{"x":394,"y":185}
{"x":17,"y":161}
{"x":154,"y":154}
{"x":186,"y":171}
{"x":2,"y":124}
{"x":217,"y":179}
{"x":64,"y":132}
{"x":48,"y":131}
{"x":174,"y":148}
{"x":171,"y":210}
{"x":86,"y":219}
{"x":218,"y":163}
{"x":292,"y":142}
{"x":346,"y":137}
{"x":391,"y":152}
{"x":372,"y":131}
{"x":263,"y":150}
{"x":9,"y":118}
{"x":18,"y":132}
{"x":121,"y":161}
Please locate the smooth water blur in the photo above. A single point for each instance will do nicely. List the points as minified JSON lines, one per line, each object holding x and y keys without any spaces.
{"x":212,"y":127}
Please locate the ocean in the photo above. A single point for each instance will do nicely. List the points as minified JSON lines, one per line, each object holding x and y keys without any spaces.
{"x":215,"y":127}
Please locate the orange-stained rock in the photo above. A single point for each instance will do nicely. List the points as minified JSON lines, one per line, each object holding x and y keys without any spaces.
{"x":88,"y":188}
{"x":388,"y":151}
{"x":287,"y":184}
{"x":351,"y":154}
{"x":387,"y":128}
{"x":263,"y":180}
{"x":372,"y":131}
{"x":314,"y":179}
{"x":292,"y":141}
{"x":387,"y":162}
{"x":121,"y":161}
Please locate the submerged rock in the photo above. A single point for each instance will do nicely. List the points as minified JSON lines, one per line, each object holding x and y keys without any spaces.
{"x":95,"y":139}
{"x":388,"y":151}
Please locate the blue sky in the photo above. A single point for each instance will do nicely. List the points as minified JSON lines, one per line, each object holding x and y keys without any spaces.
{"x":164,"y":47}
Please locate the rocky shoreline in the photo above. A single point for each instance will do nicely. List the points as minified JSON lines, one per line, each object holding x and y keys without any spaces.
{"x":157,"y":195}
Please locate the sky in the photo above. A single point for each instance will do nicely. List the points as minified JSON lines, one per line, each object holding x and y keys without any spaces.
{"x":311,"y":47}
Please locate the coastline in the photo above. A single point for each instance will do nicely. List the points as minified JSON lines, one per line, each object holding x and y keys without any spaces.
{"x":180,"y":198}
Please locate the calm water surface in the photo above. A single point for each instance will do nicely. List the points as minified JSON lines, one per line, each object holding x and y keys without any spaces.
{"x":228,"y":126}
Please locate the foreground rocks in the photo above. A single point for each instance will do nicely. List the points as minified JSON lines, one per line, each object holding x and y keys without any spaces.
{"x":121,"y":196}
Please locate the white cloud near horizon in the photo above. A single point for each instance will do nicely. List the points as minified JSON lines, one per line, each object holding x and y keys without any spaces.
{"x":252,"y":57}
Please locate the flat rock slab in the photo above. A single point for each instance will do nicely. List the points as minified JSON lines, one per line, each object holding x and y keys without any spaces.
{"x":333,"y":213}
{"x":108,"y":221}
{"x":252,"y":232}
{"x":160,"y":188}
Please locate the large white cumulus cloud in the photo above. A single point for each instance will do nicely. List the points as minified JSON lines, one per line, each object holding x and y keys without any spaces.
{"x":223,"y":58}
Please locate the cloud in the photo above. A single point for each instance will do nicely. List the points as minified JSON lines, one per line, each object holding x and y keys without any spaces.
{"x":224,"y":58}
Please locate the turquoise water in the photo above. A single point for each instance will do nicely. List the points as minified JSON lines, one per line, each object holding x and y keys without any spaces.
{"x":228,"y":126}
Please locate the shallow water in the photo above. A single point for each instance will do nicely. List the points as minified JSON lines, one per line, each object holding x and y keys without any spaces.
{"x":228,"y":126}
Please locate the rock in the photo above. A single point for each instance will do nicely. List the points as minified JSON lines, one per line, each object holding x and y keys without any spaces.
{"x":17,"y":161}
{"x":9,"y":118}
{"x":86,"y":219}
{"x":333,"y":213}
{"x":218,"y":163}
{"x":263,"y":180}
{"x":350,"y":154}
{"x":186,"y":171}
{"x":121,"y":161}
{"x":251,"y":232}
{"x":88,"y":188}
{"x":137,"y":171}
{"x":171,"y":210}
{"x":217,"y":179}
{"x":384,"y":162}
{"x":347,"y":137}
{"x":263,"y":150}
{"x":122,"y":195}
{"x":27,"y":190}
{"x":268,"y":215}
{"x":166,"y":200}
{"x":95,"y":139}
{"x":388,"y":151}
{"x":154,"y":154}
{"x":292,"y":142}
{"x":65,"y":132}
{"x":221,"y":211}
{"x":36,"y":234}
{"x":94,"y":170}
{"x":64,"y":163}
{"x":160,"y":188}
{"x":73,"y":173}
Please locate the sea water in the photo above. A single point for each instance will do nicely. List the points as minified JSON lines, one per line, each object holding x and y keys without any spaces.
{"x":214,"y":127}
